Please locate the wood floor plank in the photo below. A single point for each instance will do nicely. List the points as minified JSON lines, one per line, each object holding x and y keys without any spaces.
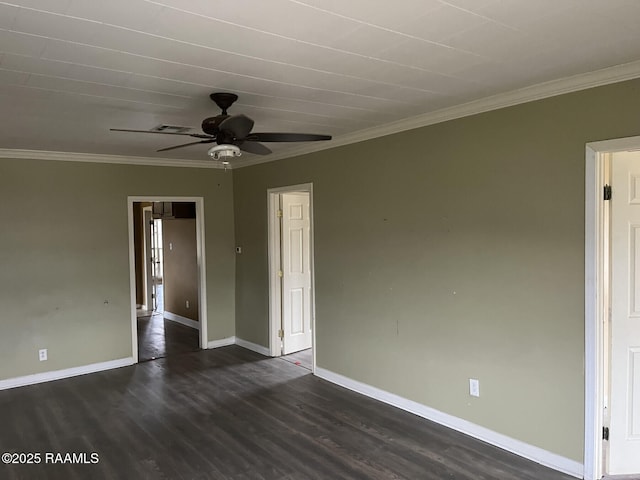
{"x":159,"y":337}
{"x":231,"y":413}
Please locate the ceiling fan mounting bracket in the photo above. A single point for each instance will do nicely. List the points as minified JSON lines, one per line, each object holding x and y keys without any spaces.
{"x":223,"y":100}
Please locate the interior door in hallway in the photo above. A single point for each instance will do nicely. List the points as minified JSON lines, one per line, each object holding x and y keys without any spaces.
{"x":296,"y":279}
{"x":624,"y":436}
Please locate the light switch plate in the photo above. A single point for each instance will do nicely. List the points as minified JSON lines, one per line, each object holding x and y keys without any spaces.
{"x":474,"y":387}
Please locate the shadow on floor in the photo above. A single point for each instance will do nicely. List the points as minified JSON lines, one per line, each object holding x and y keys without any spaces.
{"x":303,"y":358}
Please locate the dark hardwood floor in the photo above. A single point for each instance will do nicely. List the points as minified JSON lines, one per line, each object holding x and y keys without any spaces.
{"x":231,"y":413}
{"x":159,"y":337}
{"x":302,"y":358}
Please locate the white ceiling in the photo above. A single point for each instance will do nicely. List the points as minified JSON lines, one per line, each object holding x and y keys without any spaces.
{"x":71,"y":69}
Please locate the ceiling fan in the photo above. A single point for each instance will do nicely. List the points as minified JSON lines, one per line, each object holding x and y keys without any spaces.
{"x":233,"y":131}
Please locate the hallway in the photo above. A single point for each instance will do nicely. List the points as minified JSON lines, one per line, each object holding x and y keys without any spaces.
{"x":159,"y":337}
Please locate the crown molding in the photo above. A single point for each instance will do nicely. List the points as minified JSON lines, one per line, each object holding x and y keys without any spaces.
{"x":100,"y":158}
{"x":597,"y":78}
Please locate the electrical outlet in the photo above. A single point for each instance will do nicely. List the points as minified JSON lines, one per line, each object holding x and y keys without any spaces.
{"x":474,"y":387}
{"x":186,"y":304}
{"x":42,"y":354}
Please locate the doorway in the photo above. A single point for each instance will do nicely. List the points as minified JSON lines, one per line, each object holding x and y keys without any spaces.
{"x":291,"y":279}
{"x":166,"y":260}
{"x":612,"y":309}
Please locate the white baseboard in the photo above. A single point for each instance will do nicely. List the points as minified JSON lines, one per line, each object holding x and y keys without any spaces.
{"x":536,"y":454}
{"x":182,"y":320}
{"x":223,"y":342}
{"x":66,"y":373}
{"x":253,"y":346}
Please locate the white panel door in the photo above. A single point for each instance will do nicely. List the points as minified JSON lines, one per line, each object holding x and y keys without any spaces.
{"x":624,"y":436}
{"x":296,"y":279}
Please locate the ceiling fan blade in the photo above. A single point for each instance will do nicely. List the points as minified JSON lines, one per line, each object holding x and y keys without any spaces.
{"x":238,"y":125}
{"x":287,"y":137}
{"x":254,"y":147}
{"x":195,"y":135}
{"x":211,"y":140}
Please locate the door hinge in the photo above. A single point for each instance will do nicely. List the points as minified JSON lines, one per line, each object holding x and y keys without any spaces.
{"x":607,"y":192}
{"x":279,"y":214}
{"x":281,"y":333}
{"x":280,"y":273}
{"x":605,"y":433}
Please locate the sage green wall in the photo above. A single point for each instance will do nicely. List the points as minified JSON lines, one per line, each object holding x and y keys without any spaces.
{"x":451,"y":252}
{"x":64,"y":252}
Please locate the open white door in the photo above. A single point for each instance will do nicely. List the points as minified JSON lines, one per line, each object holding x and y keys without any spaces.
{"x":624,"y":436}
{"x":296,"y":280}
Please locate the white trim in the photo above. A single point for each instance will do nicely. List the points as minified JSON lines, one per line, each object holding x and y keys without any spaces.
{"x":592,"y":424}
{"x":187,"y":322}
{"x":625,"y":144}
{"x":605,"y":76}
{"x":594,"y":293}
{"x":253,"y":346}
{"x":101,"y":158}
{"x":147,"y":216}
{"x":275,"y":287}
{"x":201,"y":262}
{"x":132,"y":283}
{"x":223,"y":342}
{"x":531,"y":452}
{"x":312,"y":257}
{"x":66,"y":373}
{"x":275,"y":293}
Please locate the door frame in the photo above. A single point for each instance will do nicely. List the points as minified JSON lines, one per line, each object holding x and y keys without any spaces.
{"x":201,"y":261}
{"x":147,"y":215}
{"x":596,"y":284}
{"x":275,"y":285}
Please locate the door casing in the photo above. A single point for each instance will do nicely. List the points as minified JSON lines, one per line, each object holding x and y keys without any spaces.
{"x":596,"y":289}
{"x":275,"y":286}
{"x":201,"y":261}
{"x":148,"y":273}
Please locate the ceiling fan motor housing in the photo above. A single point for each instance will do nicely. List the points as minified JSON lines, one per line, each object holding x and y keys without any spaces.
{"x":223,"y":100}
{"x":210,"y":125}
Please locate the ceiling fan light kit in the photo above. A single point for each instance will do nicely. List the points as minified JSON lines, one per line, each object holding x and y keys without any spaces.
{"x":231,"y":133}
{"x":224,"y":152}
